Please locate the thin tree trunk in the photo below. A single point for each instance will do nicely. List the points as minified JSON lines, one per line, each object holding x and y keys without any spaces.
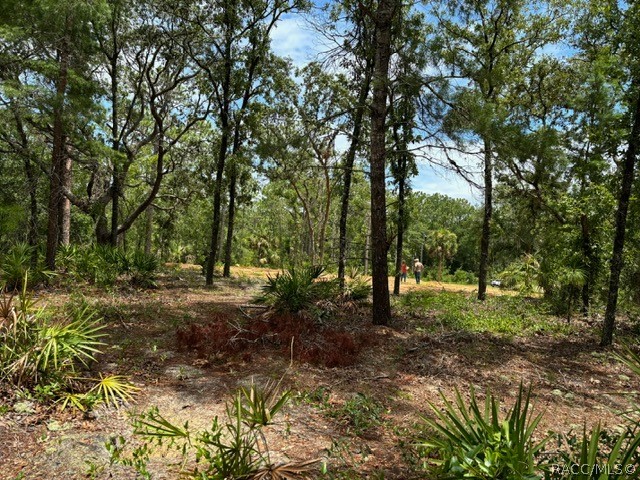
{"x":401,"y":226}
{"x":486,"y":221}
{"x":367,"y":246}
{"x":348,"y":172}
{"x":587,"y":251}
{"x":222,"y":153}
{"x":57,"y":158}
{"x":617,"y":260}
{"x":65,"y":204}
{"x":32,"y":231}
{"x":148,"y":230}
{"x":381,"y":312}
{"x":231,"y":221}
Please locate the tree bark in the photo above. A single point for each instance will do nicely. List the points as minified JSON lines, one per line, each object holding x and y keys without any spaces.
{"x":57,"y":158}
{"x":65,"y":203}
{"x":148,"y":230}
{"x":222,"y":153}
{"x":617,"y":261}
{"x":381,"y":312}
{"x":348,"y":172}
{"x":230,"y":221}
{"x":486,"y":221}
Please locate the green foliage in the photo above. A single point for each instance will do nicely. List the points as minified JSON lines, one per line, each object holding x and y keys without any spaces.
{"x":522,"y":275}
{"x":473,"y":441}
{"x":42,"y":353}
{"x":143,"y":269}
{"x":504,"y":314}
{"x":105,"y":265}
{"x":297,"y":289}
{"x":260,"y":405}
{"x":361,"y":413}
{"x":16,"y":265}
{"x":232,"y":447}
{"x":597,"y":456}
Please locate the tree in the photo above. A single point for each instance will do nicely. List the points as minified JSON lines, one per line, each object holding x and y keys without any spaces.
{"x":441,"y":244}
{"x":489,"y":44}
{"x":230,"y":40}
{"x":383,"y":19}
{"x":623,"y":19}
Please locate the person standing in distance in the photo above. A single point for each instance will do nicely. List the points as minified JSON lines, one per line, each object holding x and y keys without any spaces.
{"x":417,"y":269}
{"x":403,"y":271}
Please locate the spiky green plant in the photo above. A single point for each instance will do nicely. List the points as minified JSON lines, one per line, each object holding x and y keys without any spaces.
{"x":593,"y":459}
{"x":143,"y":269}
{"x":41,"y":353}
{"x":233,"y":447}
{"x":473,"y":441}
{"x":297,"y":289}
{"x":15,"y":265}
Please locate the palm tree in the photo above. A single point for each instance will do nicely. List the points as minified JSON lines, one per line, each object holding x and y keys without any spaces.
{"x":441,"y":244}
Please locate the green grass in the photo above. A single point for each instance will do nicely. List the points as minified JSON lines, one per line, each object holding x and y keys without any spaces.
{"x":509,"y":315}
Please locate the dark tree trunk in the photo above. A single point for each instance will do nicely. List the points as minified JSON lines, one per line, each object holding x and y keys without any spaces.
{"x":401,"y":225}
{"x":230,"y":222}
{"x":57,"y":158}
{"x":222,"y":153}
{"x":349,"y":160}
{"x":617,"y":260}
{"x":32,"y":231}
{"x":379,"y":241}
{"x":486,"y":221}
{"x":115,"y":143}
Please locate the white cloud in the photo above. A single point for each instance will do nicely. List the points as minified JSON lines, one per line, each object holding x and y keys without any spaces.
{"x":293,"y":39}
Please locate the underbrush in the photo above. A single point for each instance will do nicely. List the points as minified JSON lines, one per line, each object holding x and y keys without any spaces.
{"x":104,"y":266}
{"x":47,"y":355}
{"x":294,"y":336}
{"x":508,"y":315}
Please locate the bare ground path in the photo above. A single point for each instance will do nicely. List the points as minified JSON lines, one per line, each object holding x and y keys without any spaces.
{"x":403,"y":368}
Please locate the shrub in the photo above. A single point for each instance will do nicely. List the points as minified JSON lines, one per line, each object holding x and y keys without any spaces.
{"x":297,"y":289}
{"x":43,"y":354}
{"x":103,"y":265}
{"x":474,"y":442}
{"x":598,"y":455}
{"x":143,"y":269}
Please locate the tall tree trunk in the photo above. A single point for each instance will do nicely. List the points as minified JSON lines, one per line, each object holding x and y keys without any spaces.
{"x":65,"y":203}
{"x":349,"y":160}
{"x":401,"y":225}
{"x":57,"y":158}
{"x":230,"y":221}
{"x":32,"y":231}
{"x":381,"y":312}
{"x":230,"y":224}
{"x":222,"y":153}
{"x":486,"y":221}
{"x":617,"y":260}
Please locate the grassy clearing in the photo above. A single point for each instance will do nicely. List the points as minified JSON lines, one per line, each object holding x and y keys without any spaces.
{"x":501,"y":315}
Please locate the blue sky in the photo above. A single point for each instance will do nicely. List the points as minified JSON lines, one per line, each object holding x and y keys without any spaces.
{"x":294,"y":39}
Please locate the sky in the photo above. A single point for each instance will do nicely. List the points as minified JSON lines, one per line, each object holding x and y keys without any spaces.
{"x":295,"y":40}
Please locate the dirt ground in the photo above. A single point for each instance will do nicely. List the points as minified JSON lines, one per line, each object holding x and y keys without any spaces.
{"x":574,"y":382}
